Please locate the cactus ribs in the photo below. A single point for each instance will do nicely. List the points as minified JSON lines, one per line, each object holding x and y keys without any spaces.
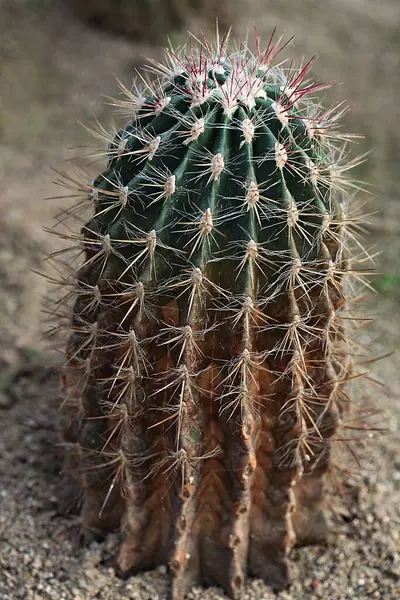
{"x":209,"y":342}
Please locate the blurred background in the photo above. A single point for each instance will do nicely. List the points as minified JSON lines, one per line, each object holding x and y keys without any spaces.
{"x":60,"y":60}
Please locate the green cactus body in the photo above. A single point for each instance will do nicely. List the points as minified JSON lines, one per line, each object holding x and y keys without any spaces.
{"x":207,"y":352}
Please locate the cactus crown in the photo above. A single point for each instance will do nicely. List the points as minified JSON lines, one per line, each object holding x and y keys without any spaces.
{"x":208,"y":337}
{"x":226,"y":157}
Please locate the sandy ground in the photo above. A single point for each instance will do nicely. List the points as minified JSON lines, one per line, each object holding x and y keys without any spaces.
{"x":50,"y":68}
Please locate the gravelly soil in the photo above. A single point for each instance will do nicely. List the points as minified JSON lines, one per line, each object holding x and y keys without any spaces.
{"x":40,"y":554}
{"x":51,"y":67}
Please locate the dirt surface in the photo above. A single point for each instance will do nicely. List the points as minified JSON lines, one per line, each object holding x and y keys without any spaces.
{"x":54,"y":73}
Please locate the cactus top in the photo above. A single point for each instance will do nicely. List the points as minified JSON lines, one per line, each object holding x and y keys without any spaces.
{"x":224,"y":157}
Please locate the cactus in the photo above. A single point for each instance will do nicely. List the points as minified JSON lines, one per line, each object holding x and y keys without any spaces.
{"x":208,"y":351}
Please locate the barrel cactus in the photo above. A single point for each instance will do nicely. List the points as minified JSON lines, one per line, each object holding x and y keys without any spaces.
{"x":208,"y":350}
